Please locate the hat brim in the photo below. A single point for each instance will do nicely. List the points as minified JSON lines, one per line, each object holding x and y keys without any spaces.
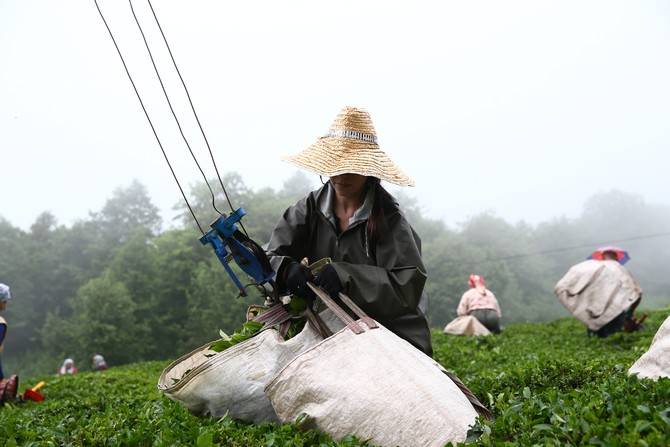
{"x":331,"y":156}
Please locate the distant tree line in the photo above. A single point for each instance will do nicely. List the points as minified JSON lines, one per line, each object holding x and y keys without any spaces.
{"x":119,"y":284}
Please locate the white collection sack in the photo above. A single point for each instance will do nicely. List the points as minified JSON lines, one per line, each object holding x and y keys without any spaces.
{"x":365,"y":380}
{"x":596,"y":292}
{"x":232,"y":381}
{"x":466,"y":325}
{"x":655,"y":363}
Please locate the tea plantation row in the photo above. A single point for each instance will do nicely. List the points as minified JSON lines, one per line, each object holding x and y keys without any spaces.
{"x":548,"y":384}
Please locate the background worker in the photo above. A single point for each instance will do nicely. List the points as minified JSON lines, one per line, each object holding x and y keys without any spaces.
{"x":481,"y":303}
{"x":98,"y":363}
{"x":5,"y":296}
{"x":67,"y":368}
{"x":601,"y":293}
{"x":626,"y":320}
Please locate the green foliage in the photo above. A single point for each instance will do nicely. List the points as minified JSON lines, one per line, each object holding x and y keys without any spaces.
{"x":103,"y":321}
{"x":547,"y":384}
{"x":177,"y":295}
{"x":166,"y":314}
{"x":212,"y":304}
{"x":121,"y":407}
{"x":128,"y":212}
{"x":251,"y":328}
{"x":551,"y":384}
{"x":248,"y":330}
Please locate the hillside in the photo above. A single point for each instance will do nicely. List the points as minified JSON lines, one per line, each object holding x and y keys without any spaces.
{"x":548,"y":384}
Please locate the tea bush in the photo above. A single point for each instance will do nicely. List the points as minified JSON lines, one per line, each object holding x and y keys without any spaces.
{"x":547,"y":384}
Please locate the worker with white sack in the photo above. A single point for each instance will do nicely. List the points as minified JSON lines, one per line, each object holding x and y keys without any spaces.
{"x":601,"y":293}
{"x":655,"y":363}
{"x":478,"y":311}
{"x":366,"y":379}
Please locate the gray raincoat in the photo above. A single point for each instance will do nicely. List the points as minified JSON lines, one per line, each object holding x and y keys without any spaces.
{"x":386,"y":279}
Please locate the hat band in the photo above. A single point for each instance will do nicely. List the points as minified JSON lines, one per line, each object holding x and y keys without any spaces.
{"x":368,"y":138}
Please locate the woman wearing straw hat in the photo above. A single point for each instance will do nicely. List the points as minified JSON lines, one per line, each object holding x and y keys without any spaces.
{"x":354,"y":221}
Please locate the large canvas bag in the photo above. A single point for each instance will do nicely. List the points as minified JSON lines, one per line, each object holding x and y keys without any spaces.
{"x":365,"y":380}
{"x":232,"y":381}
{"x":466,"y":325}
{"x":596,"y":292}
{"x":655,"y":363}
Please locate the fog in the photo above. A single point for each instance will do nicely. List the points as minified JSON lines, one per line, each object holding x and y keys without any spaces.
{"x":521,"y":108}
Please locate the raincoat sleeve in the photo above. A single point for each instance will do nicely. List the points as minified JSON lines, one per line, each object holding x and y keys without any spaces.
{"x":463,"y":305}
{"x":392,"y":287}
{"x":290,"y":237}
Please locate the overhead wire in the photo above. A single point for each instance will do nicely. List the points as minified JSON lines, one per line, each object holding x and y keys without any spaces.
{"x":167,"y":98}
{"x":146,"y":114}
{"x":563,"y":249}
{"x":498,"y":259}
{"x":195,"y":114}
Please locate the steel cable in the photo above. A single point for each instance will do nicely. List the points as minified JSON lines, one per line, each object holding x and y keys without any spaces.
{"x":153,"y":129}
{"x":562,"y":249}
{"x":167,"y":98}
{"x":195,"y":114}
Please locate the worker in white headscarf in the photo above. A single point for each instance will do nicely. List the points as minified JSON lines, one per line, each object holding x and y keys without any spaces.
{"x":98,"y":363}
{"x":67,"y":368}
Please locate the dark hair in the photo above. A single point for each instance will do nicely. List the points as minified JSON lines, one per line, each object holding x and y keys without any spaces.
{"x":376,"y":226}
{"x":610,"y":255}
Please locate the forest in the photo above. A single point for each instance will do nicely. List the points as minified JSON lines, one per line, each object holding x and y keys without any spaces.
{"x":124,"y":283}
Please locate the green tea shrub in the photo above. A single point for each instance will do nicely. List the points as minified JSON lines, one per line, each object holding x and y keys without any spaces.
{"x":547,"y":384}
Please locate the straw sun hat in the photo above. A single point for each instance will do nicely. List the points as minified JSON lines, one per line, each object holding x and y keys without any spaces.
{"x":350,"y":147}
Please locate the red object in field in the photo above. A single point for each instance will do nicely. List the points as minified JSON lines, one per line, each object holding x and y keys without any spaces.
{"x":32,"y":393}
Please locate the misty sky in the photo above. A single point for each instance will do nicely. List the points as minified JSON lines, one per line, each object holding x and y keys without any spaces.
{"x":524,"y":108}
